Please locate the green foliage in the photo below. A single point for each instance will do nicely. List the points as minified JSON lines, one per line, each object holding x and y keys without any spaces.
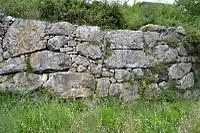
{"x":189,"y":6}
{"x":145,"y":83}
{"x":27,"y":114}
{"x":28,"y":64}
{"x":107,"y":16}
{"x":21,"y":8}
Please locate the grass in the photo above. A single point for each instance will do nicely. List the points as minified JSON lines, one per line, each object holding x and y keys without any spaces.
{"x":44,"y":114}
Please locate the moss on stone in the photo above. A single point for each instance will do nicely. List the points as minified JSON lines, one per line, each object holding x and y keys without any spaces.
{"x":28,"y":63}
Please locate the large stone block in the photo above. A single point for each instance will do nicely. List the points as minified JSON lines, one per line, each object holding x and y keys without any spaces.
{"x":103,"y":85}
{"x":47,"y":60}
{"x":187,"y":81}
{"x":165,"y":54}
{"x":60,"y":28}
{"x":12,"y":65}
{"x":89,"y":50}
{"x":25,"y":36}
{"x":123,"y":75}
{"x":151,"y":38}
{"x":57,"y":42}
{"x":128,"y":59}
{"x":177,"y":71}
{"x":125,"y":39}
{"x":21,"y":82}
{"x":71,"y":85}
{"x":89,"y":33}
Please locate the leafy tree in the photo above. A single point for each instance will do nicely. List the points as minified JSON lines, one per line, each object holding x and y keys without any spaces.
{"x":190,"y":6}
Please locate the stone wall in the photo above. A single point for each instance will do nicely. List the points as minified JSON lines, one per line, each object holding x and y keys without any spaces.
{"x":80,"y":61}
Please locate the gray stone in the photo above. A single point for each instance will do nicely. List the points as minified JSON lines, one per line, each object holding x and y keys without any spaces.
{"x":165,"y":54}
{"x":80,"y":60}
{"x":162,"y":84}
{"x":122,"y":75}
{"x":177,"y":71}
{"x":25,"y":36}
{"x":113,"y":80}
{"x":106,"y":73}
{"x":125,"y":39}
{"x":47,"y":60}
{"x":61,"y":28}
{"x":21,"y":82}
{"x":187,"y":59}
{"x":89,"y":50}
{"x":116,"y":89}
{"x":1,"y":30}
{"x":95,"y":69}
{"x":81,"y":68}
{"x":152,"y":28}
{"x":151,"y":38}
{"x":187,"y":81}
{"x":180,"y":30}
{"x":72,"y":43}
{"x":1,"y":50}
{"x":138,"y":72}
{"x":181,"y":50}
{"x":6,"y":55}
{"x":128,"y":59}
{"x":71,"y":85}
{"x":130,"y":93}
{"x":89,"y":33}
{"x":10,"y":19}
{"x":103,"y":85}
{"x":57,"y":42}
{"x":66,"y":50}
{"x":12,"y":65}
{"x":1,"y":57}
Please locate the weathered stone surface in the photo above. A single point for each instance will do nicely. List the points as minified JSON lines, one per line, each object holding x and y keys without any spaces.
{"x":80,"y":60}
{"x":89,"y":50}
{"x":61,"y":28}
{"x":72,"y":43}
{"x":1,"y":57}
{"x":138,"y":72}
{"x":128,"y":59}
{"x":71,"y":85}
{"x":107,"y":73}
{"x":6,"y":55}
{"x":81,"y":68}
{"x":181,"y":50}
{"x":95,"y":69}
{"x":187,"y":59}
{"x":1,"y":30}
{"x":116,"y":89}
{"x":187,"y":81}
{"x":122,"y":75}
{"x":21,"y":82}
{"x":125,"y":39}
{"x":25,"y":36}
{"x":162,"y":84}
{"x":165,"y":54}
{"x":12,"y":65}
{"x":177,"y":71}
{"x":130,"y":93}
{"x":152,"y":28}
{"x":47,"y":60}
{"x":89,"y":33}
{"x":151,"y":38}
{"x":180,"y":30}
{"x":57,"y":42}
{"x":103,"y":85}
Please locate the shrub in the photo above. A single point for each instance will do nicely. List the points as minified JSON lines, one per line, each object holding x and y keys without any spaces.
{"x":80,"y":12}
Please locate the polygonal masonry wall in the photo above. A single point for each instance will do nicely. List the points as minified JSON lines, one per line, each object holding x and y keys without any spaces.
{"x":80,"y":61}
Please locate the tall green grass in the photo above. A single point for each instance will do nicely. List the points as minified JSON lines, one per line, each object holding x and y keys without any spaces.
{"x":44,"y":114}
